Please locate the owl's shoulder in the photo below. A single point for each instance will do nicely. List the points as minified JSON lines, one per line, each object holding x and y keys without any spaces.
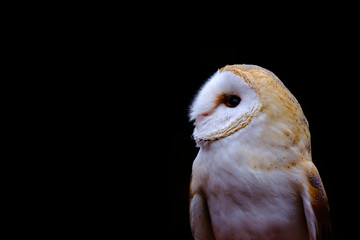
{"x":316,"y":203}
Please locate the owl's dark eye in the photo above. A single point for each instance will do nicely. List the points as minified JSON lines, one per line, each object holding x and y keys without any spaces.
{"x":232,"y":101}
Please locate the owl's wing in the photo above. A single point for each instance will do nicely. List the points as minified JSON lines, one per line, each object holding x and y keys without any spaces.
{"x":200,"y":219}
{"x":316,"y":205}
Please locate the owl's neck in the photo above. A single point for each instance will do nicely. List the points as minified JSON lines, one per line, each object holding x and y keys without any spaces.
{"x":263,"y":146}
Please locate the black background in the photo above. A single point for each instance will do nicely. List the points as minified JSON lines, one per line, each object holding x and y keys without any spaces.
{"x":323,"y":79}
{"x":115,"y":150}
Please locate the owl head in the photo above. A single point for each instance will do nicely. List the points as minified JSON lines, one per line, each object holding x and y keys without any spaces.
{"x":237,"y":97}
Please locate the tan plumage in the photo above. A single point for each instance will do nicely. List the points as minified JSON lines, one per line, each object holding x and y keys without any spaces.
{"x":253,"y":177}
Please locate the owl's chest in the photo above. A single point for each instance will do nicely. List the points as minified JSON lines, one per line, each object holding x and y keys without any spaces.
{"x":245,"y":200}
{"x":245,"y":186}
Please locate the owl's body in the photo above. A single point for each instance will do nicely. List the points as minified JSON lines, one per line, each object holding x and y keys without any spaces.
{"x":253,"y":177}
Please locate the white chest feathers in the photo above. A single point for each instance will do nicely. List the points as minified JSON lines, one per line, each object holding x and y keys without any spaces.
{"x":248,"y":203}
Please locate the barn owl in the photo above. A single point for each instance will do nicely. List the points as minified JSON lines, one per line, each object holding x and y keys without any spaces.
{"x":253,"y":177}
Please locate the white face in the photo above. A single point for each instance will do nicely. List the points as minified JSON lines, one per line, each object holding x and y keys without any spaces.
{"x":224,"y":105}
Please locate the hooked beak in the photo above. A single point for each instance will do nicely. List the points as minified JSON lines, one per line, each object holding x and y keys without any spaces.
{"x":201,"y":118}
